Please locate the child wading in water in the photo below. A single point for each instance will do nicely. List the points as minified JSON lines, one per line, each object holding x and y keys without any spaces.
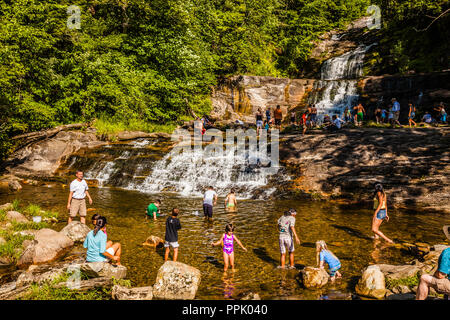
{"x":227,"y":242}
{"x":171,"y":239}
{"x":326,"y":256}
{"x":230,"y":201}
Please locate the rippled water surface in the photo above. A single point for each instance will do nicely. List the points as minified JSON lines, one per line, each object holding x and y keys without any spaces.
{"x":346,"y":229}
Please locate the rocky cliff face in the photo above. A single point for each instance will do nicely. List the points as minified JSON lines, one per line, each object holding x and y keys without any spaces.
{"x":413,"y":165}
{"x":42,"y":159}
{"x":241,"y":96}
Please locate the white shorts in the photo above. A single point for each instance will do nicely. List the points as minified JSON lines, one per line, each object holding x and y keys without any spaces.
{"x":286,"y":242}
{"x":171,"y":244}
{"x":111,"y":252}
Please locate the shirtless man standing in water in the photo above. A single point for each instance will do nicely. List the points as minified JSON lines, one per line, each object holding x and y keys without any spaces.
{"x":359,"y":116}
{"x":230,"y":202}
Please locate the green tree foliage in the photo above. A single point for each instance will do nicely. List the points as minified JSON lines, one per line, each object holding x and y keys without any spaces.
{"x":141,"y":61}
{"x":414,"y":35}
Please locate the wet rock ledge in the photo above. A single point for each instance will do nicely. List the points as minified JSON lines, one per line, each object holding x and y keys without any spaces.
{"x":412,"y":164}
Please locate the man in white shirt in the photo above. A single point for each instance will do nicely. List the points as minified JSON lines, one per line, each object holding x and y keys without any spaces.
{"x":209,"y":200}
{"x":77,"y":202}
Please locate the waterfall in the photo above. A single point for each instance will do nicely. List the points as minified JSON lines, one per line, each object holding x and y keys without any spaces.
{"x":189,"y":173}
{"x":337,"y":87}
{"x":146,"y":165}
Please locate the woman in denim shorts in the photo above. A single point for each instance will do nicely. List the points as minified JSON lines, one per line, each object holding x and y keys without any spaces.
{"x":381,"y":212}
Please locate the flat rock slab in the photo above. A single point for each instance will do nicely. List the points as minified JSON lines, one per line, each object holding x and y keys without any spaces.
{"x":103,"y":269}
{"x":176,"y":281}
{"x":398,"y":272}
{"x":124,"y":293}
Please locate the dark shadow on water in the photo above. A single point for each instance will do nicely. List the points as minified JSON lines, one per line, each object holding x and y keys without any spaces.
{"x":308,"y":244}
{"x":352,"y":232}
{"x":346,"y":258}
{"x":214,"y":262}
{"x":351,"y":284}
{"x":161,"y":250}
{"x":263,"y":255}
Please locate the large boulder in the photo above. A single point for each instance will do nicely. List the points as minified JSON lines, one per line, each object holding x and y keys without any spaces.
{"x":16,"y":216}
{"x":176,"y":280}
{"x":314,"y":277}
{"x":49,"y":245}
{"x":372,"y":283}
{"x":76,"y":231}
{"x":153,"y":241}
{"x":103,"y":269}
{"x":124,"y":293}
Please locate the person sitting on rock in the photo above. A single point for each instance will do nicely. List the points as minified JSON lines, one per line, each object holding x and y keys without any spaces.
{"x":428,"y":119}
{"x":440,"y":281}
{"x":326,"y":256}
{"x":336,"y":124}
{"x":94,"y":219}
{"x":95,"y":243}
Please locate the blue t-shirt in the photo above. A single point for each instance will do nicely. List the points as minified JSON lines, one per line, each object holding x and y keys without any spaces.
{"x":95,"y":245}
{"x":332,"y":261}
{"x":444,"y":262}
{"x":396,"y":106}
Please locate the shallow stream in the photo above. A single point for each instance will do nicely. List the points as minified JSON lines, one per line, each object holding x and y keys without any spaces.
{"x":345,"y":228}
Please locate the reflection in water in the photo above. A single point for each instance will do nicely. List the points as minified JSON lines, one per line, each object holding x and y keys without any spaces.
{"x":379,"y":250}
{"x":256,"y":223}
{"x":229,"y":284}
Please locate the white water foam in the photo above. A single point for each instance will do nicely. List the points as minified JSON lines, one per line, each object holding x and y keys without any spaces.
{"x":189,"y":173}
{"x":337,"y":88}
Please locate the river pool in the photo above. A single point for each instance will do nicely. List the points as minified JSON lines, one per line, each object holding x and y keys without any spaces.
{"x":345,"y":228}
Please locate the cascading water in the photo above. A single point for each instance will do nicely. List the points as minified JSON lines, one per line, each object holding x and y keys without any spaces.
{"x":337,"y":88}
{"x":146,"y":165}
{"x":189,"y":173}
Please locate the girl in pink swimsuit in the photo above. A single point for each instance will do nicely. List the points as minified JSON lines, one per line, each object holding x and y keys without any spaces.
{"x":227,"y":241}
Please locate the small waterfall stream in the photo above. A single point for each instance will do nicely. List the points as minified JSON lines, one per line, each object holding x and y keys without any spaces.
{"x":337,"y":87}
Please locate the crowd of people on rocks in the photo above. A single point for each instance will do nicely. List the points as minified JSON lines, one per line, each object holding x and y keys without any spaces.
{"x":99,"y":249}
{"x":356,"y":116}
